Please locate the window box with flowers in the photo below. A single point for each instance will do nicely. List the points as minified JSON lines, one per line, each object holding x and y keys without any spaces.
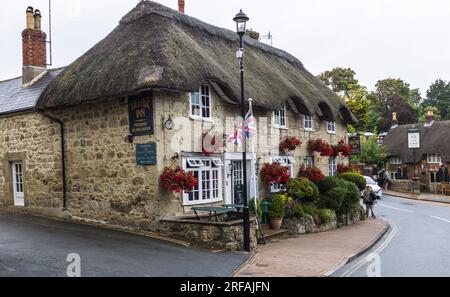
{"x":322,"y":147}
{"x":342,"y":168}
{"x":289,"y":144}
{"x":177,"y":180}
{"x":343,"y":149}
{"x":312,"y":173}
{"x":275,"y":173}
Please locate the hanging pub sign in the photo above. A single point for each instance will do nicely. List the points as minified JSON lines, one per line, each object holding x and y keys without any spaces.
{"x":146,"y":154}
{"x":141,"y":114}
{"x":414,"y":138}
{"x":355,"y":143}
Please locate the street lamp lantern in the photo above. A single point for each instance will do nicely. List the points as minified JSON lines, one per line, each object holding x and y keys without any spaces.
{"x":241,"y":22}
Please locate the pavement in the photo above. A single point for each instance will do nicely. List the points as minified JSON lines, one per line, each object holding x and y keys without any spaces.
{"x":312,"y":255}
{"x":423,"y":196}
{"x":417,"y":244}
{"x":35,"y":246}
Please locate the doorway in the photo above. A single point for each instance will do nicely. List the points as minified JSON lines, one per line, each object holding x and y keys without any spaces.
{"x":18,"y":188}
{"x":234,"y":176}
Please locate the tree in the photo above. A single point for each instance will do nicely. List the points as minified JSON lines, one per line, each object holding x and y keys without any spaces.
{"x":341,"y":80}
{"x":389,"y":87}
{"x":372,"y":152}
{"x":360,"y":106}
{"x":406,"y":114}
{"x":438,"y":95}
{"x":425,"y":109}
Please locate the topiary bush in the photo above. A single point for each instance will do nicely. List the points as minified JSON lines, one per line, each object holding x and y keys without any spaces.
{"x":333,"y":198}
{"x":277,"y":207}
{"x":351,"y":198}
{"x":328,"y":183}
{"x":302,"y":190}
{"x":355,"y":178}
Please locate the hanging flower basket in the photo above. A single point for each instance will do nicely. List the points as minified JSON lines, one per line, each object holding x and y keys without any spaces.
{"x":342,"y":148}
{"x":177,"y":180}
{"x":322,"y":147}
{"x":289,"y":144}
{"x":274,"y":173}
{"x":342,"y":168}
{"x":314,"y":174}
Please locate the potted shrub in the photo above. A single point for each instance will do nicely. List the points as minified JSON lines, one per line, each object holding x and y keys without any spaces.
{"x":277,"y":211}
{"x":289,"y":144}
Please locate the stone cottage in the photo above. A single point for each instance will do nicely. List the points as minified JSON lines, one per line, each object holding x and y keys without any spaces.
{"x":94,"y":137}
{"x":433,"y":155}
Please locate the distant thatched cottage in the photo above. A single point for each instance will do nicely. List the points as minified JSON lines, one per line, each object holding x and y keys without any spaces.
{"x":95,"y":136}
{"x":433,"y":155}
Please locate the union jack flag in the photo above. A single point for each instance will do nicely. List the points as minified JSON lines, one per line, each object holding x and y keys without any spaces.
{"x":236,"y":137}
{"x":250,"y":123}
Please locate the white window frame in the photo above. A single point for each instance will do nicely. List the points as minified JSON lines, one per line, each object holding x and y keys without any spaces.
{"x":213,"y":167}
{"x":332,"y":166}
{"x":395,"y":160}
{"x":308,"y":119}
{"x":309,"y":161}
{"x":280,"y":116}
{"x":434,"y":158}
{"x":200,"y":105}
{"x":331,"y":127}
{"x":288,"y":162}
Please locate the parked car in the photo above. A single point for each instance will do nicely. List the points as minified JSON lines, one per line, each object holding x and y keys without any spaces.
{"x":375,"y":187}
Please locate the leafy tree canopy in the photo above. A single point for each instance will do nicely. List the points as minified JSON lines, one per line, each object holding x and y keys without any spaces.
{"x":438,"y":96}
{"x":341,"y":80}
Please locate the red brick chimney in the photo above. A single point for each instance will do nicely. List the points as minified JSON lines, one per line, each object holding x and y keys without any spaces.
{"x":34,"y":47}
{"x":181,"y":6}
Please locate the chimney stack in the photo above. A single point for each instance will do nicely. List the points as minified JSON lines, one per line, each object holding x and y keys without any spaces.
{"x":34,"y":47}
{"x":394,"y":120}
{"x":181,"y":6}
{"x":429,"y":118}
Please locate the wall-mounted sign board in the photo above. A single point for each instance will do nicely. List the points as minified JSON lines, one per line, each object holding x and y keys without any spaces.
{"x":140,"y":110}
{"x":146,"y":154}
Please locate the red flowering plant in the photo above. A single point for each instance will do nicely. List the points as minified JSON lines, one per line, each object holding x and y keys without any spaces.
{"x":322,"y":147}
{"x":289,"y":144}
{"x":342,"y":148}
{"x":177,"y":180}
{"x":274,"y":173}
{"x":342,"y":168}
{"x":314,"y":174}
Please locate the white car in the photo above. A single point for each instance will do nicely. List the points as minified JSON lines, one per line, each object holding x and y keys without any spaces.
{"x":375,"y":187}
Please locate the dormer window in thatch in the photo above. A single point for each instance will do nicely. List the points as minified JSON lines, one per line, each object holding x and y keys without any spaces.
{"x":280,"y":118}
{"x":200,"y":103}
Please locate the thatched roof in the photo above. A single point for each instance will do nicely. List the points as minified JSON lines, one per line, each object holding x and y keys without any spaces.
{"x":155,"y":47}
{"x":434,"y":140}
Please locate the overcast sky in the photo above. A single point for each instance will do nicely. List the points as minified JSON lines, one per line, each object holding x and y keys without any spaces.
{"x":405,"y":39}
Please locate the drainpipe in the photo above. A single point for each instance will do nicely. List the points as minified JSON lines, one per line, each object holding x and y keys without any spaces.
{"x":63,"y":156}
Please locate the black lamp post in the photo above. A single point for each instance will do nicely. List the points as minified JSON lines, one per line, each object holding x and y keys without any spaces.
{"x":241,"y":23}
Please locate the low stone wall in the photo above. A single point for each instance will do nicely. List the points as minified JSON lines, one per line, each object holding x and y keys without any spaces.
{"x":405,"y":186}
{"x":225,"y":234}
{"x":307,"y":225}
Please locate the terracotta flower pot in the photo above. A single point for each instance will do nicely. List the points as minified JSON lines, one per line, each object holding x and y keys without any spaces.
{"x":275,"y":223}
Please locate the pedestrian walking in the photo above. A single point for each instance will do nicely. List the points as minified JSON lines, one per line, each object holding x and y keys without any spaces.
{"x":369,"y":198}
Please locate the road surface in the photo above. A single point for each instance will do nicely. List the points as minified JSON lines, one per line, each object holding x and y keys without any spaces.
{"x":418,"y":243}
{"x":32,"y":246}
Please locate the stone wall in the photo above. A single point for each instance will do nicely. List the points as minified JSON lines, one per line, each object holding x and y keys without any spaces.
{"x":404,"y":186}
{"x":33,"y":140}
{"x":210,"y":234}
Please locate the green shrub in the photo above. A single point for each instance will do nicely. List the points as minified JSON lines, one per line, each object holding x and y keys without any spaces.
{"x":326,"y":216}
{"x":302,"y":190}
{"x":277,"y":207}
{"x":351,"y":198}
{"x":251,"y":206}
{"x":333,"y":198}
{"x":299,"y":211}
{"x":355,"y":178}
{"x":328,"y":183}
